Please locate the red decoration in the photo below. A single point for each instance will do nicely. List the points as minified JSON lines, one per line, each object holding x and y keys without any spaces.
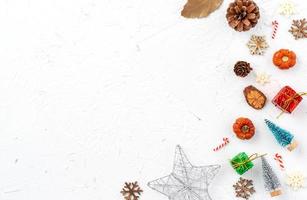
{"x":284,"y":59}
{"x":244,"y":128}
{"x":280,"y":161}
{"x":225,"y":142}
{"x":275,"y":28}
{"x":287,"y":99}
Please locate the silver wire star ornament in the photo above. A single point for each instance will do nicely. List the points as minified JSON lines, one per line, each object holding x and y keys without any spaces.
{"x":186,"y":182}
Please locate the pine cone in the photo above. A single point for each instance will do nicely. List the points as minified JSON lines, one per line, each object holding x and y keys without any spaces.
{"x":242,"y":68}
{"x":242,"y":15}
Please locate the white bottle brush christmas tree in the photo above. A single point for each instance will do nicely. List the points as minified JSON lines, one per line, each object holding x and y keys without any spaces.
{"x":271,"y":181}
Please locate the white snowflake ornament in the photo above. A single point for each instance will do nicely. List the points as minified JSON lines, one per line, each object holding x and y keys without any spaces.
{"x":295,"y":180}
{"x":287,"y":8}
{"x":262,"y":78}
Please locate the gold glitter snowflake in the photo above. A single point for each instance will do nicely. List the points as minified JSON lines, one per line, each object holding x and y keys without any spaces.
{"x":262,"y":78}
{"x":257,"y":45}
{"x":295,"y":180}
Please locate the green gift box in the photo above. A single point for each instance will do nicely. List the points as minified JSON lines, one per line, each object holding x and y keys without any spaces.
{"x":242,"y":163}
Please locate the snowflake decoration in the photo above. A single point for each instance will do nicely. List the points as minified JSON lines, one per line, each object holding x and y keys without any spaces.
{"x":131,"y":191}
{"x":244,"y":188}
{"x":262,"y":78}
{"x":287,"y":8}
{"x":257,"y":45}
{"x":295,"y":180}
{"x":299,"y":28}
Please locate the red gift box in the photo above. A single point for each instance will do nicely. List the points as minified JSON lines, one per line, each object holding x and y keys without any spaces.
{"x":287,"y":99}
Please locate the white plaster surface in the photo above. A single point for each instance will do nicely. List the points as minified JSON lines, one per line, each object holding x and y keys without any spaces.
{"x":98,"y":92}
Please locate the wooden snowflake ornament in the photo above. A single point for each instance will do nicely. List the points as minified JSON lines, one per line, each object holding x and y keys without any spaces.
{"x":296,"y":180}
{"x":131,"y":191}
{"x":299,"y":29}
{"x":257,"y":45}
{"x":244,"y":188}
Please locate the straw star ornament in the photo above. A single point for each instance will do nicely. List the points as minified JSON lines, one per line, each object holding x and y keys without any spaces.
{"x":186,"y":182}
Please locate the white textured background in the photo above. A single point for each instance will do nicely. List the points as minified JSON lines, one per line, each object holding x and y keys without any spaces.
{"x":98,"y":92}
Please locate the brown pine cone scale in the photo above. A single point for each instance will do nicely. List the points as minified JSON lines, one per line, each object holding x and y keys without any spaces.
{"x":242,"y":15}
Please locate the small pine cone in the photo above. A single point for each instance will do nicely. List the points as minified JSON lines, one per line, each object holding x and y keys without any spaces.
{"x":242,"y":15}
{"x":242,"y":68}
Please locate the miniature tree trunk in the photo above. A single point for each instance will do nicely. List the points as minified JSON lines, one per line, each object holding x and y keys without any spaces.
{"x":283,"y":137}
{"x":271,"y":181}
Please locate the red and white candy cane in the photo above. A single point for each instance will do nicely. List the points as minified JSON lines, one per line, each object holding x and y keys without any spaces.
{"x":280,"y":161}
{"x":225,"y":142}
{"x":275,"y":27}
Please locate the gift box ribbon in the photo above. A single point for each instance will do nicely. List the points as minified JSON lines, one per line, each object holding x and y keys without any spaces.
{"x":250,"y":159}
{"x":290,"y":100}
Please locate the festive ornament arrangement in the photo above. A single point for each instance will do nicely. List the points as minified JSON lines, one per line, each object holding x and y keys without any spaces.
{"x":257,"y":45}
{"x":271,"y":181}
{"x":244,"y":128}
{"x":283,"y":137}
{"x":287,"y":99}
{"x":244,"y":188}
{"x":131,"y":191}
{"x":284,"y":59}
{"x":186,"y":181}
{"x":242,"y":68}
{"x":254,"y":97}
{"x":299,"y":28}
{"x":242,"y":15}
